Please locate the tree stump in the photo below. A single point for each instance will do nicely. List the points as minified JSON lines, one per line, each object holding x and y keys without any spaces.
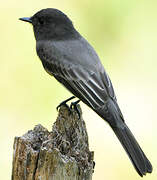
{"x":62,"y":154}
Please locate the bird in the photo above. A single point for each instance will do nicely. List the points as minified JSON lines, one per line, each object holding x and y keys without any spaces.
{"x":67,"y":56}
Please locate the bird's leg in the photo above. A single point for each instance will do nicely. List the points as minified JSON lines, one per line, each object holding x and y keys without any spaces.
{"x":74,"y":105}
{"x":64,"y":102}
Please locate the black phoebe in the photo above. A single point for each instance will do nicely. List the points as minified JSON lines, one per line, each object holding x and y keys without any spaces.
{"x":67,"y":56}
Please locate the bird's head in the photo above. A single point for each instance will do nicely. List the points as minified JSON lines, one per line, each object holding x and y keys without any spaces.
{"x":51,"y":24}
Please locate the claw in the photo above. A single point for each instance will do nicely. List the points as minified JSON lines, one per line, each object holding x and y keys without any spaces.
{"x":64,"y":103}
{"x":74,"y":105}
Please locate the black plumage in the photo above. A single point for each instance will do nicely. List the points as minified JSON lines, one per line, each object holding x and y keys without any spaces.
{"x":67,"y":56}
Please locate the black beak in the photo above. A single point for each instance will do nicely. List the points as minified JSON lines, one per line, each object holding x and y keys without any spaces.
{"x":27,"y":19}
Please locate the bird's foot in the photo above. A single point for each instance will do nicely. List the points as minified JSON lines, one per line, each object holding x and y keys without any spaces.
{"x":65,"y":103}
{"x":74,"y":105}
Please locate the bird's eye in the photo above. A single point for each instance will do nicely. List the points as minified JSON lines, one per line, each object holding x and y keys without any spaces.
{"x":41,"y":21}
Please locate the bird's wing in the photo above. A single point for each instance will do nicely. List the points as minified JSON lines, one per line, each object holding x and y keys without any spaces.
{"x":79,"y":70}
{"x":84,"y":85}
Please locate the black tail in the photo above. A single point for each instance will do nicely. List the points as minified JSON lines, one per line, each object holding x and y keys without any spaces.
{"x":112,"y":114}
{"x":135,"y":153}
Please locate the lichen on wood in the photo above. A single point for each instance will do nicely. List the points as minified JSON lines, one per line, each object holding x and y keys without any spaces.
{"x":62,"y":154}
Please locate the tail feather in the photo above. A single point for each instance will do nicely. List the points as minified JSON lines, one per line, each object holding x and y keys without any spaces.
{"x":112,"y":114}
{"x":135,"y":153}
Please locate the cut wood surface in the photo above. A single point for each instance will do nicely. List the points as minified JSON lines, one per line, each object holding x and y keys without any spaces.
{"x":62,"y":154}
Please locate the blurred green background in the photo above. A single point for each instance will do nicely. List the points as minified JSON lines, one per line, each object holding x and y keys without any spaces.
{"x":124,"y":34}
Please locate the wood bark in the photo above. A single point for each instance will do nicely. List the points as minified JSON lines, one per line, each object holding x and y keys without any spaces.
{"x":62,"y":154}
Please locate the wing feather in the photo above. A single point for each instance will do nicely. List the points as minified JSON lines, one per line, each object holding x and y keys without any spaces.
{"x":85,"y":85}
{"x":91,"y":85}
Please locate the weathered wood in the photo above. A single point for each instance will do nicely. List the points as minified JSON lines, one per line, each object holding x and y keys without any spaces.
{"x":62,"y":154}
